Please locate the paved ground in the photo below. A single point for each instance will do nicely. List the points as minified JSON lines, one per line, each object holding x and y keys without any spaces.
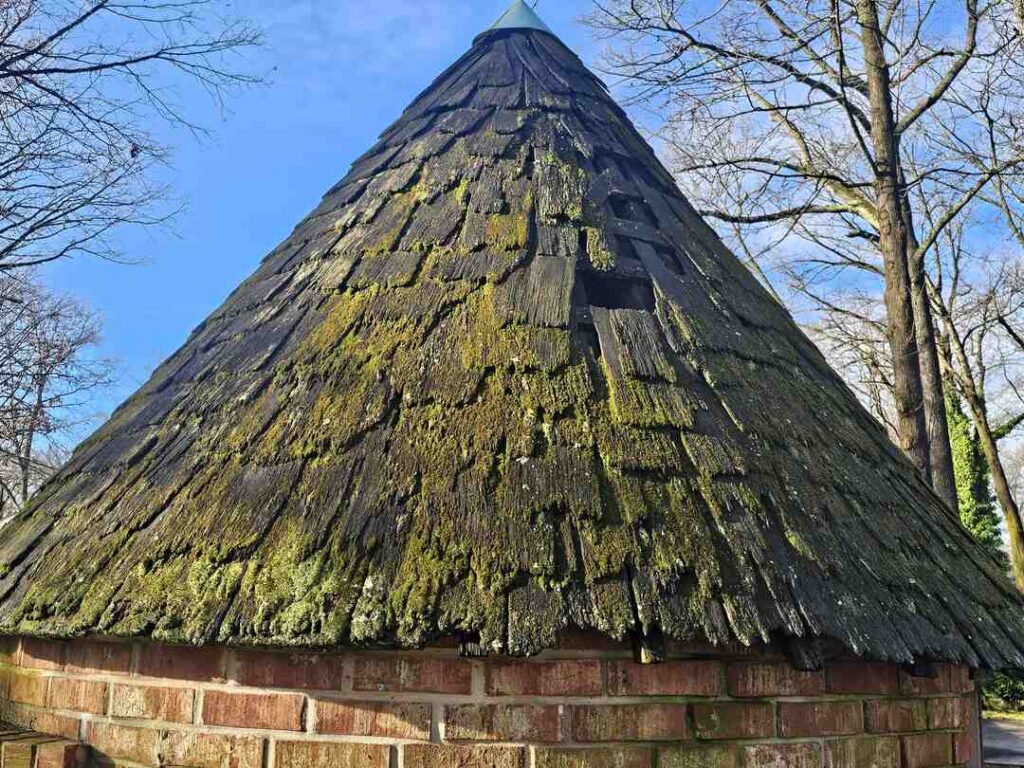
{"x":1004,"y":742}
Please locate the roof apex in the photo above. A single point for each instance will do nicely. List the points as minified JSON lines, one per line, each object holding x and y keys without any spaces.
{"x":520,"y":16}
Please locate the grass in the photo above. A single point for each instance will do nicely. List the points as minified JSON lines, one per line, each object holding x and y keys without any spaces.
{"x":991,"y":714}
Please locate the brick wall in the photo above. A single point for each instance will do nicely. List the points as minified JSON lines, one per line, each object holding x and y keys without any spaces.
{"x":143,"y":705}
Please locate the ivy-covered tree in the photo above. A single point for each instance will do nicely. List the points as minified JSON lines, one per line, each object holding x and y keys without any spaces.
{"x":977,"y":504}
{"x":979,"y":515}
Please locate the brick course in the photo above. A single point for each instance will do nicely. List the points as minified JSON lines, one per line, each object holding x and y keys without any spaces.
{"x":679,"y":678}
{"x":206,"y":750}
{"x":147,"y":702}
{"x":734,"y":721}
{"x":820,"y":718}
{"x":761,"y":680}
{"x":611,"y":757}
{"x":99,"y":658}
{"x":802,"y":755}
{"x":140,"y":705}
{"x":86,"y":696}
{"x":313,"y":672}
{"x":409,"y":673}
{"x":304,"y":754}
{"x":396,"y":720}
{"x":569,"y":678}
{"x":530,"y":723}
{"x":630,"y":722}
{"x":896,"y":716}
{"x":265,"y":711}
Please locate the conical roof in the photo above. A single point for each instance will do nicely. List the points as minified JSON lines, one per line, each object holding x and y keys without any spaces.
{"x":501,"y":383}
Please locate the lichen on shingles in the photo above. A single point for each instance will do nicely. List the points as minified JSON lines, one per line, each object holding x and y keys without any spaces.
{"x":502,"y":382}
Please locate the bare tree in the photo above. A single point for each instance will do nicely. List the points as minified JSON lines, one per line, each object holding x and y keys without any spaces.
{"x":50,"y":377}
{"x":975,"y":351}
{"x":978,"y":301}
{"x":81,"y":86}
{"x":811,"y":130}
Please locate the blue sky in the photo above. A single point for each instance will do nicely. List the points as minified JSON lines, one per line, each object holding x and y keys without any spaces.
{"x":339,"y":72}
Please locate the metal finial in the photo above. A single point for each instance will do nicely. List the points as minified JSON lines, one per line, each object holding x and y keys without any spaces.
{"x":521,"y":16}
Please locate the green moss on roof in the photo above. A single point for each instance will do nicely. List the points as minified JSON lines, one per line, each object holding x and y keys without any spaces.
{"x":502,"y":382}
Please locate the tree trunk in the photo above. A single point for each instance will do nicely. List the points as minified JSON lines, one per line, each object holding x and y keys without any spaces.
{"x":1002,"y":488}
{"x":940,"y":452}
{"x":28,"y":449}
{"x":894,"y":238}
{"x":953,"y":345}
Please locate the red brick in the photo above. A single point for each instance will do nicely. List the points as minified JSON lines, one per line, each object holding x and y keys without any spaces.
{"x":761,"y":680}
{"x":301,"y":671}
{"x":448,"y":756}
{"x":65,"y":726}
{"x":947,"y":678}
{"x":820,"y":718}
{"x":960,"y":680}
{"x":384,"y":719}
{"x":85,"y":696}
{"x":137,"y":745}
{"x":15,"y":754}
{"x":864,"y":751}
{"x":266,"y":711}
{"x":945,"y":714}
{"x":307,"y":754}
{"x":401,"y":674}
{"x":99,"y":658}
{"x":209,"y":750}
{"x":940,"y":682}
{"x":963,"y":746}
{"x":968,"y":706}
{"x":549,"y":678}
{"x":928,"y":750}
{"x":783,"y":756}
{"x":57,"y":755}
{"x":179,"y":663}
{"x":862,"y":677}
{"x":147,"y":702}
{"x":924,"y":686}
{"x":42,"y":654}
{"x":501,"y":722}
{"x":606,"y":757}
{"x":673,"y":678}
{"x":896,"y":715}
{"x":733,"y":721}
{"x":26,"y":688}
{"x":640,"y":722}
{"x":698,"y":757}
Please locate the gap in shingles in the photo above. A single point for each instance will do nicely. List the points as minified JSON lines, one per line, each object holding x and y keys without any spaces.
{"x":611,"y":291}
{"x":620,"y":207}
{"x":670,"y":257}
{"x":583,"y":322}
{"x":641,"y":212}
{"x":530,"y":163}
{"x":583,"y":249}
